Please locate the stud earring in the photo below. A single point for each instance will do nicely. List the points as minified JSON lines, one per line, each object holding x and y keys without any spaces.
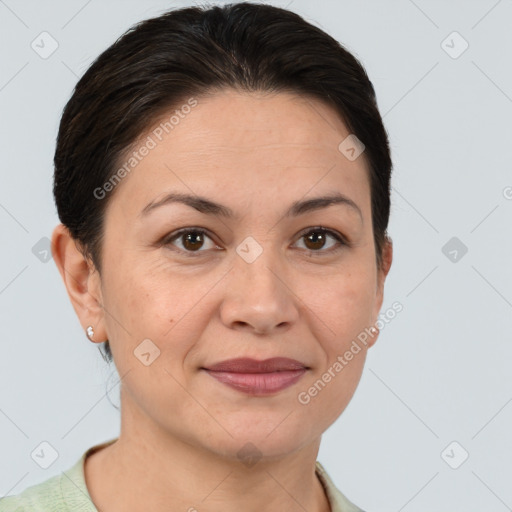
{"x":90,"y":332}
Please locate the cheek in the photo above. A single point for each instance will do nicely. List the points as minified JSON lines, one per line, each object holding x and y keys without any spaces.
{"x":152,"y":302}
{"x":135,"y":303}
{"x":347,"y":310}
{"x":329,"y":390}
{"x":345,"y":306}
{"x":341,"y":385}
{"x":137,"y":285}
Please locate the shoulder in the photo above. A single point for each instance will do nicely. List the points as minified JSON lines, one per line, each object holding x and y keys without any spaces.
{"x":45,"y":496}
{"x":338,"y":501}
{"x":65,"y":492}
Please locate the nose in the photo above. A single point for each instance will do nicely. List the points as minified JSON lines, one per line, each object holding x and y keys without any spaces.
{"x":257,"y":297}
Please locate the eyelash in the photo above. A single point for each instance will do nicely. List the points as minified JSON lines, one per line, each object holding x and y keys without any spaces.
{"x":342,"y":241}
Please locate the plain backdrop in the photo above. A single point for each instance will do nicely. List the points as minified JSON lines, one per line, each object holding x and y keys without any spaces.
{"x":429,"y":426}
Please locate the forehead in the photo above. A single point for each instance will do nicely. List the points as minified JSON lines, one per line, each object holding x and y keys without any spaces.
{"x":247,"y":143}
{"x":235,"y":120}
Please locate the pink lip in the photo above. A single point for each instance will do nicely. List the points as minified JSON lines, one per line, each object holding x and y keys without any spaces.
{"x":258,"y":377}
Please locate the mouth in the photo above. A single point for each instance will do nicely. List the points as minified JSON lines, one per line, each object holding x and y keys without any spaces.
{"x":258,"y":378}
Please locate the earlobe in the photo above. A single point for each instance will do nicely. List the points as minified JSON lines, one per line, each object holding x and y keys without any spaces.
{"x":81,"y":279}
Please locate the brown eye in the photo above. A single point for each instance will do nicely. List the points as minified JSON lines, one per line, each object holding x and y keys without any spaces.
{"x":316,"y":239}
{"x":192,"y":241}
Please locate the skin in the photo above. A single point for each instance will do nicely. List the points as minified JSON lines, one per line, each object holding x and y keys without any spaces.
{"x":180,"y":428}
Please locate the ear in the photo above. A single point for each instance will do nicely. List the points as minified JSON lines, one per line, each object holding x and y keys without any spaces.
{"x":387,"y":259}
{"x":82,"y":281}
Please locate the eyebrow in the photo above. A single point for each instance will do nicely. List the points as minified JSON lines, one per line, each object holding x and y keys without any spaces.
{"x":209,"y":207}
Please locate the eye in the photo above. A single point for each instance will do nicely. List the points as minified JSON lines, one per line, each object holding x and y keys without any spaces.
{"x":192,"y":239}
{"x":315,"y":240}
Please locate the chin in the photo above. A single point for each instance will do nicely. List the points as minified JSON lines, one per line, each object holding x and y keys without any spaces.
{"x":255,"y":438}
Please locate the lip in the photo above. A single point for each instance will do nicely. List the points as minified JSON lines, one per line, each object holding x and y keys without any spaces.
{"x":249,"y":365}
{"x":258,"y":377}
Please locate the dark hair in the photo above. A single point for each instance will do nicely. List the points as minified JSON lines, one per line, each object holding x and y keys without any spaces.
{"x":161,"y":61}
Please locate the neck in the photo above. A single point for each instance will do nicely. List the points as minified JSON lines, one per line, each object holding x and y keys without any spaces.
{"x":147,"y":468}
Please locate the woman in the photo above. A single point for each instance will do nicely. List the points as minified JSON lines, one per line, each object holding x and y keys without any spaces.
{"x":222,"y":178}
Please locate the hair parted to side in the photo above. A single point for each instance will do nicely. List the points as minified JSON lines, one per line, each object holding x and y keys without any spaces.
{"x":160,"y":63}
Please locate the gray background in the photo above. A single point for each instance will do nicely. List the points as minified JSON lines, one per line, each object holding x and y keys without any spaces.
{"x":440,"y":371}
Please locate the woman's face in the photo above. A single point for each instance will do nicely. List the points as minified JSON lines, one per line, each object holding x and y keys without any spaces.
{"x":260,"y":283}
